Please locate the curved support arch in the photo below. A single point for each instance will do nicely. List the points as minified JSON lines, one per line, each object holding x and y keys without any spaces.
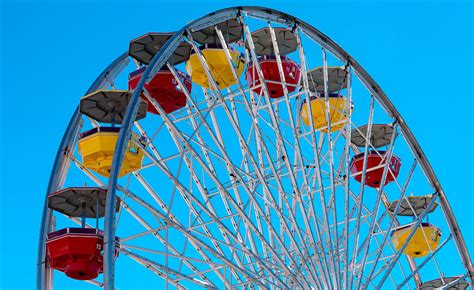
{"x":158,"y":61}
{"x":61,"y":163}
{"x":124,"y":135}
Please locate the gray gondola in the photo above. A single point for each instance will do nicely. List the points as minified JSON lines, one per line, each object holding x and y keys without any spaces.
{"x":88,"y":202}
{"x":109,"y":106}
{"x":438,"y":284}
{"x":144,"y":48}
{"x":337,"y":79}
{"x":380,"y":136}
{"x":412,"y":205}
{"x":262,"y":40}
{"x":231,"y":29}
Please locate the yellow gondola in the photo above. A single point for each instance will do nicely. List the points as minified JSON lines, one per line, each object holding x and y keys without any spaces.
{"x":219,"y":66}
{"x":97,"y":148}
{"x":418,"y":246}
{"x":337,"y":112}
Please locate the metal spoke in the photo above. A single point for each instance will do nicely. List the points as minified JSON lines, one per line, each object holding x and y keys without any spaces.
{"x":235,"y":187}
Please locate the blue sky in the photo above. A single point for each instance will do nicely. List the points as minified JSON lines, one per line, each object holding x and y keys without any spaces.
{"x":420,"y":52}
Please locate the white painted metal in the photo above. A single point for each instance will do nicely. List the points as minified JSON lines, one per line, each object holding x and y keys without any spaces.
{"x":266,"y":200}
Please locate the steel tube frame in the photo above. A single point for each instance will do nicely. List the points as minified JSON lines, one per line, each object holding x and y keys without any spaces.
{"x":61,"y":164}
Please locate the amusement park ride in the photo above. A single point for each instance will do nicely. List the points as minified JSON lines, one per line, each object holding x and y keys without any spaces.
{"x":270,"y":159}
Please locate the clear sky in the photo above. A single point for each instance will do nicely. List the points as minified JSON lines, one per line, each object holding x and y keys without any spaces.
{"x":420,"y":52}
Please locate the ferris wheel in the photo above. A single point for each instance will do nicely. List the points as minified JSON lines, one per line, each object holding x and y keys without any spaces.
{"x":245,"y":150}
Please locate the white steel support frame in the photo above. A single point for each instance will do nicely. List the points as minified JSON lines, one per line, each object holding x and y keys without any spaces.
{"x":388,"y":156}
{"x":272,"y":112}
{"x":393,"y":219}
{"x":201,"y":189}
{"x":271,"y":165}
{"x":204,"y":165}
{"x":61,"y":164}
{"x":316,"y":159}
{"x":299,"y":156}
{"x":331,"y":169}
{"x":318,"y":271}
{"x":347,"y":128}
{"x":242,"y":92}
{"x":133,"y":213}
{"x":395,"y":258}
{"x":361,"y":192}
{"x":297,"y":148}
{"x":242,"y":141}
{"x":195,"y":241}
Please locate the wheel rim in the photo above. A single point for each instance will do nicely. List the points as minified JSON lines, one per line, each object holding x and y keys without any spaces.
{"x":325,"y":270}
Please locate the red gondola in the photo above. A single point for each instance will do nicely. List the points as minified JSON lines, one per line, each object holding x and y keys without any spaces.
{"x":163,"y":88}
{"x":375,"y":168}
{"x":77,"y":252}
{"x":269,"y":67}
